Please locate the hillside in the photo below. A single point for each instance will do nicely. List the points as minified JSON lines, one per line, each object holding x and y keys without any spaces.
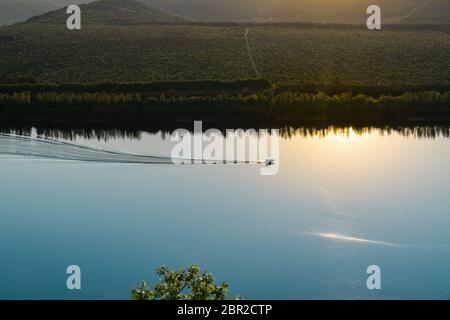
{"x":400,"y":11}
{"x":12,"y":11}
{"x":437,"y":11}
{"x":280,"y":53}
{"x":215,"y":10}
{"x":112,"y":12}
{"x":337,"y":11}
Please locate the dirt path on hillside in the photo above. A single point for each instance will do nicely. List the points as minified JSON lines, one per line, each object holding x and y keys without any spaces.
{"x":250,"y":55}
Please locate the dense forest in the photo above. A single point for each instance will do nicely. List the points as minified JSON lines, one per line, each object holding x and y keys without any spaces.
{"x":104,"y":106}
{"x":131,"y":62}
{"x":45,"y":53}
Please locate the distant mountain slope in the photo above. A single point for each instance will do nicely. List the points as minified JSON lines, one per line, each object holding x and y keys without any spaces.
{"x":338,"y":11}
{"x":112,"y":12}
{"x":214,"y":10}
{"x":399,"y":11}
{"x":12,"y":11}
{"x":435,"y":11}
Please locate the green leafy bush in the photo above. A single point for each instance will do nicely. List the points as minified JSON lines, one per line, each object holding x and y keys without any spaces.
{"x":189,"y":284}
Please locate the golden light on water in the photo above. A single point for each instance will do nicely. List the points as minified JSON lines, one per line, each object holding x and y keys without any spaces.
{"x":345,"y":136}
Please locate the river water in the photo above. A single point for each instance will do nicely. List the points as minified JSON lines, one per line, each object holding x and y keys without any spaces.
{"x":342,"y":200}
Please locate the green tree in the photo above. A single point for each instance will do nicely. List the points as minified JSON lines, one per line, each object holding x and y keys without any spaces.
{"x":189,"y":284}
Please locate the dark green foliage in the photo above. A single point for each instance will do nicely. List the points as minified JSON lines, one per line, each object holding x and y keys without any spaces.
{"x":284,"y":54}
{"x":352,"y":56}
{"x":200,"y":87}
{"x":15,"y":98}
{"x":141,"y":53}
{"x":136,"y":106}
{"x":190,"y":284}
{"x":369,"y":90}
{"x":192,"y":70}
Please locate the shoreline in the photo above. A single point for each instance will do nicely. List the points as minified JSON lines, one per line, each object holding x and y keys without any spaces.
{"x":222,"y":124}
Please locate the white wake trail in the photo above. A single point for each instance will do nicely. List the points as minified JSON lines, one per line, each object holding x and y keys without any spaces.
{"x":14,"y":145}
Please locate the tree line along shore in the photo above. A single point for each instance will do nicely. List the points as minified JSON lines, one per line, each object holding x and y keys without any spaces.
{"x":248,"y":99}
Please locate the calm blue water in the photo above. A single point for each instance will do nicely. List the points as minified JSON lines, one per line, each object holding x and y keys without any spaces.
{"x":342,"y":201}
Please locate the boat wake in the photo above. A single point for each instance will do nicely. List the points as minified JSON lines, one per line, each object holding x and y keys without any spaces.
{"x":14,"y":145}
{"x":25,"y":146}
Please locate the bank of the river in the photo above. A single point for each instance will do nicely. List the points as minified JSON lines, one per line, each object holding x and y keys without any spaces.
{"x":246,"y":100}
